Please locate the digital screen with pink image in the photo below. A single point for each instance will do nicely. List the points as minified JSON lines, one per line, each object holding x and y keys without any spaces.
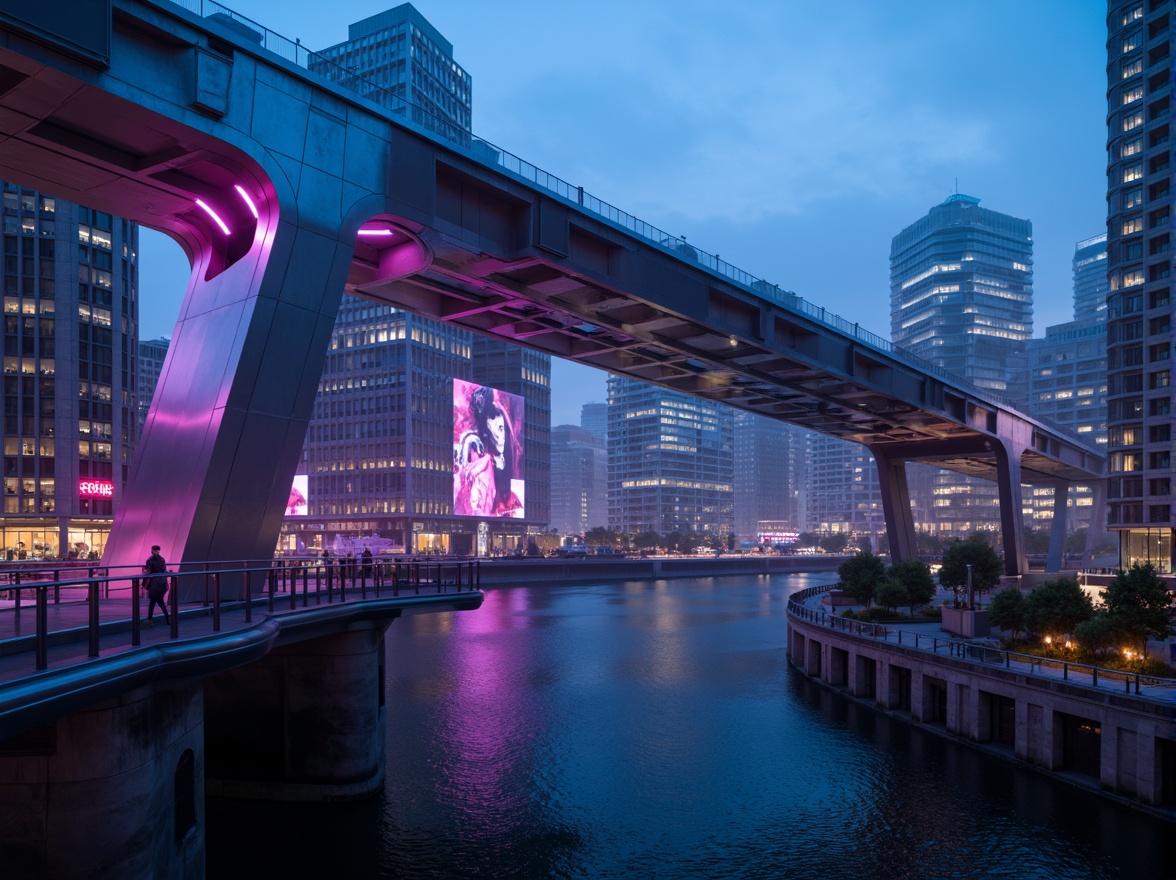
{"x":488,"y":478}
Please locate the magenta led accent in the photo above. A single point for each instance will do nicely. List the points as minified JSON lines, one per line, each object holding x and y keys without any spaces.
{"x":252,"y":207}
{"x":377,"y":232}
{"x":212,"y":214}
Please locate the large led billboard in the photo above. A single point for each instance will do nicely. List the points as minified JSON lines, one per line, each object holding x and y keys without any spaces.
{"x":488,"y":478}
{"x":297,"y":505}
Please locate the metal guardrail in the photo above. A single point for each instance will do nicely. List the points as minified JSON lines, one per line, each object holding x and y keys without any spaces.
{"x":485,"y":152}
{"x":971,"y":652}
{"x":113,"y":601}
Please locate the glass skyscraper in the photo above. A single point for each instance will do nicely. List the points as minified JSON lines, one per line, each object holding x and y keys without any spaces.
{"x":70,"y":330}
{"x":961,"y":297}
{"x":1139,"y":272}
{"x":670,"y":461}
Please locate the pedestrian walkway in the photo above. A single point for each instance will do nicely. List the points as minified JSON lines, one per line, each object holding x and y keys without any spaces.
{"x":932,"y":638}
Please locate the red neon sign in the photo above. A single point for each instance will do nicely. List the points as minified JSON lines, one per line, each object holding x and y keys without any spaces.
{"x":95,"y":489}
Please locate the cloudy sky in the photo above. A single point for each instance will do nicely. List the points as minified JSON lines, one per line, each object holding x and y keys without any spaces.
{"x":795,"y":139}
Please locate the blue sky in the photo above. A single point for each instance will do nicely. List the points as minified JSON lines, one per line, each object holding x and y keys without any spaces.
{"x":793,"y":138}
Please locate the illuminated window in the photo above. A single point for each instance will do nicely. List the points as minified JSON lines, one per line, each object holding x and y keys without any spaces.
{"x":1132,"y":94}
{"x":1131,"y":68}
{"x":1130,"y":148}
{"x":1132,"y":172}
{"x":1132,"y":121}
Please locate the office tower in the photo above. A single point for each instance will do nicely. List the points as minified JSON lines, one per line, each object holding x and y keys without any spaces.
{"x":594,"y":419}
{"x":1090,"y":279}
{"x":1139,"y":270}
{"x":70,"y":325}
{"x":152,"y":353}
{"x":579,"y":480}
{"x":1068,"y":380}
{"x":398,"y":54}
{"x":767,"y":464}
{"x":841,"y":489}
{"x":670,"y":461}
{"x":397,"y":421}
{"x":961,"y":297}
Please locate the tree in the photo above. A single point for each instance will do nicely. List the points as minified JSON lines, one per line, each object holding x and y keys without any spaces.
{"x":916,"y":580}
{"x":600,"y":535}
{"x":1056,"y":607}
{"x":864,"y":544}
{"x":1138,"y":605}
{"x":860,"y":576}
{"x":891,"y":593}
{"x":1095,"y":636}
{"x":1037,"y":541}
{"x":646,"y":540}
{"x":834,"y":543}
{"x":1007,"y":610}
{"x":987,"y":568}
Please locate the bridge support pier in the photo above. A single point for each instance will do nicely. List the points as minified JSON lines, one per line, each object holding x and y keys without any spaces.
{"x":305,"y":723}
{"x":112,"y":791}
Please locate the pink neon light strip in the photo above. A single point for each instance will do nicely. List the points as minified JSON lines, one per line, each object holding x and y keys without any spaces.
{"x":212,"y":214}
{"x":377,"y":232}
{"x":252,"y":207}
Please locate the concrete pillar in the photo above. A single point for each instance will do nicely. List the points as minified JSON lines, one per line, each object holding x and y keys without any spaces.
{"x":1057,"y":532}
{"x":896,"y":506}
{"x":113,"y":791}
{"x":305,"y":723}
{"x":1008,"y":481}
{"x":1098,"y":517}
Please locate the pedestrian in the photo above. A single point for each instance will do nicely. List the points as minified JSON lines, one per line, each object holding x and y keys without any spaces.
{"x":367,"y":564}
{"x":156,"y":569}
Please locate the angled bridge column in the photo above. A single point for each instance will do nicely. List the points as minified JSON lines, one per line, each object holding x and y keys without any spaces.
{"x":896,"y":505}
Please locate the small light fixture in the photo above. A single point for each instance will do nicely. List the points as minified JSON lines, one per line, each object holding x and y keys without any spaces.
{"x":732,"y":341}
{"x":375,"y":233}
{"x":211,"y":213}
{"x":248,"y":201}
{"x":1049,"y":640}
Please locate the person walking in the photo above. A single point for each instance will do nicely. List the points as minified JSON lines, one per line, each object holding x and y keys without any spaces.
{"x":156,"y":570}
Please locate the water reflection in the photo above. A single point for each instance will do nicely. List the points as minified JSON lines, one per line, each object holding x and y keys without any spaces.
{"x":655,"y":730}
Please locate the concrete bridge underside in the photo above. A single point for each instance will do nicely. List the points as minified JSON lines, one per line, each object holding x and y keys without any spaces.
{"x":320,"y":191}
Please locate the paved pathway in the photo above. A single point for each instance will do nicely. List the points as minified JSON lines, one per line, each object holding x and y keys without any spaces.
{"x":931,"y":637}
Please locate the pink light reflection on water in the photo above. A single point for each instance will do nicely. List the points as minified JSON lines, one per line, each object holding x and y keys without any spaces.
{"x":490,"y":727}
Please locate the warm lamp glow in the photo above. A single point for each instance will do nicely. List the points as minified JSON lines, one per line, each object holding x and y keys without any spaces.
{"x":211,"y":213}
{"x":1049,"y":640}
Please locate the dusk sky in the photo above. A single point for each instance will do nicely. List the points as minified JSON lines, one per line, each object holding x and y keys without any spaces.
{"x":792,"y":140}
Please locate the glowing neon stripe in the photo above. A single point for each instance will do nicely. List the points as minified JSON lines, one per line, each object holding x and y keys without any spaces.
{"x":212,"y":214}
{"x":252,"y":207}
{"x":377,"y":232}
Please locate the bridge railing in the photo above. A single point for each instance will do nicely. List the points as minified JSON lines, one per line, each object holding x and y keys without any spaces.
{"x":486,"y":152}
{"x":982,"y":654}
{"x":99,"y":605}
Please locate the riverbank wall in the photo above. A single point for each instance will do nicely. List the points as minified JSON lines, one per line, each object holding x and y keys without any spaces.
{"x":555,"y":572}
{"x":1120,"y":744}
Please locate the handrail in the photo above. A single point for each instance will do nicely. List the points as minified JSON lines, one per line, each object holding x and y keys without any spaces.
{"x":970,"y":652}
{"x":421,"y":119}
{"x":114,"y":603}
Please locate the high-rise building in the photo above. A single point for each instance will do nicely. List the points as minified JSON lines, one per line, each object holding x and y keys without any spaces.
{"x":70,"y":327}
{"x":768,"y":454}
{"x":1139,"y":272}
{"x":1090,"y":279}
{"x":399,"y":53}
{"x":579,"y":480}
{"x":961,"y":297}
{"x":594,"y":419}
{"x":841,"y":489}
{"x":379,"y":455}
{"x":670,"y":461}
{"x":152,"y":353}
{"x":1068,"y":380}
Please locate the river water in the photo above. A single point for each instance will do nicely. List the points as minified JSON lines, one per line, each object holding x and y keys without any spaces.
{"x":655,"y":730}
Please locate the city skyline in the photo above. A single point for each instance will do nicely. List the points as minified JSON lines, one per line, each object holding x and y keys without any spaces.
{"x":794,"y":153}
